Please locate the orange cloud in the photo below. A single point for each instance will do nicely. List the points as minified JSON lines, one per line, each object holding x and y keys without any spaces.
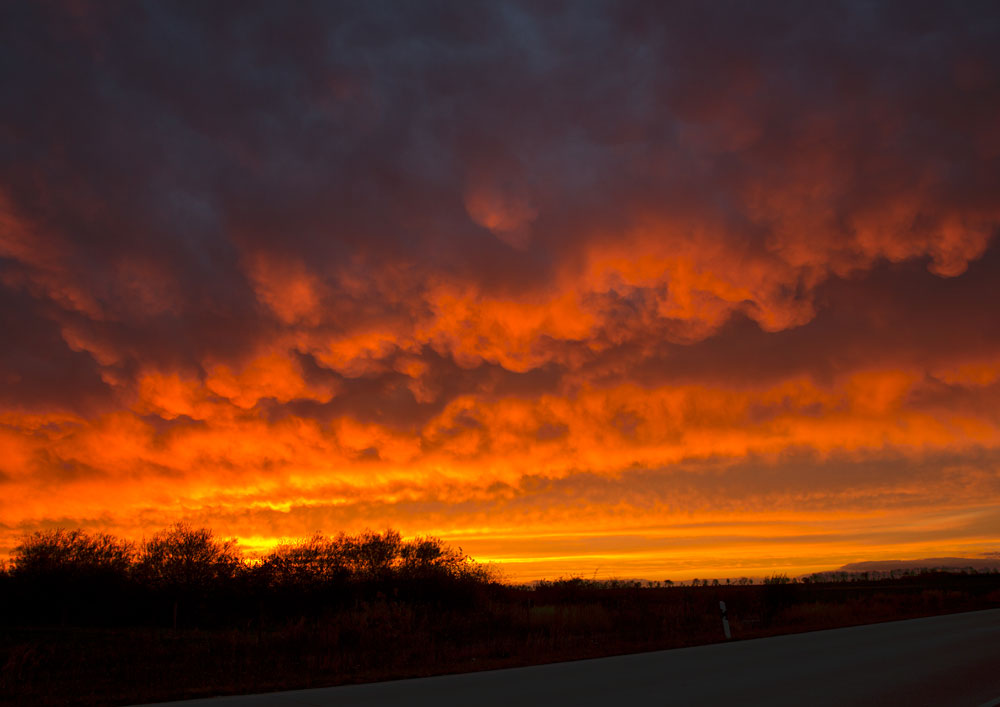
{"x":286,"y":287}
{"x":505,"y":212}
{"x":229,"y":459}
{"x":735,"y":310}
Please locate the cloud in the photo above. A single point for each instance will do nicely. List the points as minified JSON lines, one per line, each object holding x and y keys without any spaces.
{"x":261,"y":258}
{"x":503,"y":209}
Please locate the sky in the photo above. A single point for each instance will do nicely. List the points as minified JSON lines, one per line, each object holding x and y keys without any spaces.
{"x":600,"y":289}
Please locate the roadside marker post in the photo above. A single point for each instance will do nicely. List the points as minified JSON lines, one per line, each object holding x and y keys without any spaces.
{"x":725,"y":620}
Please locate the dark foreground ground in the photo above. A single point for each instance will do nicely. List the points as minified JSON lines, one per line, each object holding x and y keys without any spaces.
{"x":385,"y":637}
{"x":939,"y":661}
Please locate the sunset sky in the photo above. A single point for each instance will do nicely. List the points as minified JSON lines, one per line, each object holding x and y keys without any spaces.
{"x":636,"y":289}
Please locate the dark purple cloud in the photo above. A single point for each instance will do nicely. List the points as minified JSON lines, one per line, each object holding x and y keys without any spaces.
{"x":387,"y":243}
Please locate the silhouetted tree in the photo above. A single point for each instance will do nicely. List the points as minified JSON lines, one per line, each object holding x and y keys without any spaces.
{"x":424,"y":557}
{"x":188,"y":565}
{"x":187,"y":573}
{"x":187,"y":558}
{"x":371,"y":555}
{"x":311,"y":565}
{"x":776,"y":579}
{"x":74,"y":552}
{"x":59,"y":575}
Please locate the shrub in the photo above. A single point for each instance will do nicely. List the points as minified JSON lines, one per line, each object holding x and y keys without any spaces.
{"x":71,"y":552}
{"x":184,"y":558}
{"x":59,"y":576}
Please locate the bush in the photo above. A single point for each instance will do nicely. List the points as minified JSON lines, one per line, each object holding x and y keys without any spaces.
{"x":184,"y":576}
{"x":187,"y":559}
{"x":71,"y":552}
{"x":71,"y":576}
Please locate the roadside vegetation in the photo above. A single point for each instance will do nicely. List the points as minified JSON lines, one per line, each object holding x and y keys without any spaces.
{"x":94,"y":619}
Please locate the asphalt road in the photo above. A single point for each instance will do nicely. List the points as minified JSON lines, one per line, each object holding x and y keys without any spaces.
{"x":942,"y":660}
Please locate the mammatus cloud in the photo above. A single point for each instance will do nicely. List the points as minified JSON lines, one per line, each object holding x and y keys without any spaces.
{"x":506,"y":274}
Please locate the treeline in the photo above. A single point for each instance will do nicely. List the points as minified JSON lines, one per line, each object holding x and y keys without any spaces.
{"x":187,"y":577}
{"x":905,"y":573}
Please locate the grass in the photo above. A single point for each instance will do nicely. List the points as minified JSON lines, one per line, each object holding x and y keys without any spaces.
{"x":386,"y":638}
{"x":96,"y":620}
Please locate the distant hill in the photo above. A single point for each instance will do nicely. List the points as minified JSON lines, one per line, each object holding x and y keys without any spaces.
{"x":946,"y":563}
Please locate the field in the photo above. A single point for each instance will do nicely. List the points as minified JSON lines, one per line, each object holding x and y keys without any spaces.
{"x":108,"y":639}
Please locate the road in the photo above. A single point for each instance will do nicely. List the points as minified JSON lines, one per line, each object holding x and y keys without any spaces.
{"x":942,"y":660}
